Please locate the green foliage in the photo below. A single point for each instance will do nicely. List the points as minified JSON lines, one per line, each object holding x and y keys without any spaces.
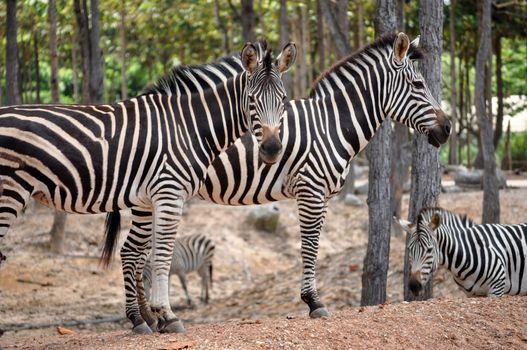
{"x":514,"y":56}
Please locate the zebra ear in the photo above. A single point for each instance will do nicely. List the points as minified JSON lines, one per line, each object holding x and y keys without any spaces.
{"x":435,"y":221}
{"x":406,"y":225}
{"x":286,"y":58}
{"x":400,"y":47}
{"x":249,"y":58}
{"x":415,"y":42}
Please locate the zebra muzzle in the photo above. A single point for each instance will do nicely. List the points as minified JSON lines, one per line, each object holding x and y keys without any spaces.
{"x":271,"y":147}
{"x":415,"y":285}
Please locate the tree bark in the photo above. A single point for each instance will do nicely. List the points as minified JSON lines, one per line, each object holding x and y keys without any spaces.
{"x":12,"y":91}
{"x":358,"y":38}
{"x":122,"y":35}
{"x":53,"y":57}
{"x":84,"y":44}
{"x":343,"y":19}
{"x":223,"y":29}
{"x":75,"y":69}
{"x":342,"y":45}
{"x":426,"y":169}
{"x":498,"y":131}
{"x":452,"y":156}
{"x":96,"y":73}
{"x":321,"y":49}
{"x":284,"y":39}
{"x":37,"y":67}
{"x":491,"y":204}
{"x":247,"y":20}
{"x":376,"y":261}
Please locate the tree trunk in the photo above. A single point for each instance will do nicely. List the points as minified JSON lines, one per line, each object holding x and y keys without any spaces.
{"x":339,"y":38}
{"x":12,"y":92}
{"x":57,"y":233}
{"x":247,"y":20}
{"x":223,"y":28}
{"x":498,"y":131}
{"x":37,"y":67}
{"x":426,"y":169}
{"x":507,"y":158}
{"x":452,"y":156}
{"x":75,"y":69}
{"x":96,"y":64}
{"x":343,"y":20}
{"x":122,"y":35}
{"x":84,"y":44}
{"x":53,"y":57}
{"x":400,"y":15}
{"x":358,"y":38}
{"x":376,"y":261}
{"x":491,"y":198}
{"x":468,"y":103}
{"x":284,"y":39}
{"x":321,"y":49}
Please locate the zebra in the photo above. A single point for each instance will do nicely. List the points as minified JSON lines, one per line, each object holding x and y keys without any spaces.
{"x":322,"y":134}
{"x":485,"y":260}
{"x":191,"y":253}
{"x":148,"y":153}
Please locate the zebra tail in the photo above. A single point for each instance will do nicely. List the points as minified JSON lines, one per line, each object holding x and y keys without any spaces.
{"x":111,"y":235}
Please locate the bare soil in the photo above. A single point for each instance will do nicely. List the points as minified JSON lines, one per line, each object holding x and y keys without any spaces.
{"x":255,"y":298}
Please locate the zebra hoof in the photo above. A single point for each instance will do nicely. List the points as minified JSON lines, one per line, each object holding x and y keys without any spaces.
{"x":175,"y":326}
{"x":320,"y":312}
{"x":142,"y":329}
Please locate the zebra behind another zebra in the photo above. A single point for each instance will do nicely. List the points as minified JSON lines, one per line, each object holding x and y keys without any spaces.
{"x":149,"y":153}
{"x":322,"y":134}
{"x":191,"y":253}
{"x":485,"y":260}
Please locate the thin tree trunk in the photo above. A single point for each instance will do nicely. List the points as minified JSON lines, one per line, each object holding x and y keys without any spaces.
{"x":84,"y":44}
{"x":284,"y":39}
{"x":321,"y":49}
{"x":96,"y":74}
{"x":75,"y":69}
{"x":343,"y":19}
{"x":223,"y":28}
{"x":426,"y":169}
{"x":452,"y":156}
{"x":53,"y":57}
{"x":498,"y":131}
{"x":491,"y":197}
{"x":339,"y":38}
{"x":57,"y":232}
{"x":358,"y":38}
{"x":122,"y":34}
{"x":507,"y":159}
{"x":37,"y":67}
{"x":247,"y":20}
{"x":12,"y":90}
{"x":376,"y":261}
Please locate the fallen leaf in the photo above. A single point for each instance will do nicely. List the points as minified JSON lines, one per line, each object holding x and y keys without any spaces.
{"x":64,"y":331}
{"x":354,"y":267}
{"x":180,"y":345}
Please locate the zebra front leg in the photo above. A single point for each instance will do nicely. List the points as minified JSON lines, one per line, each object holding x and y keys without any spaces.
{"x":167,"y":215}
{"x":311,"y":213}
{"x":134,"y":251}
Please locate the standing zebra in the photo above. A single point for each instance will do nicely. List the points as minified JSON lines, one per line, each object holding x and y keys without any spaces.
{"x":191,"y":253}
{"x":487,"y":259}
{"x":322,"y":134}
{"x":148,"y":153}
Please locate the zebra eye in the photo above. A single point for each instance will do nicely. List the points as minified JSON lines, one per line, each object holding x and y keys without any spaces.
{"x":418,"y":84}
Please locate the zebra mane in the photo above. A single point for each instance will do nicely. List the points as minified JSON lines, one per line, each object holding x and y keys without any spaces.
{"x":382,"y":42}
{"x":186,"y":75}
{"x":462,"y":218}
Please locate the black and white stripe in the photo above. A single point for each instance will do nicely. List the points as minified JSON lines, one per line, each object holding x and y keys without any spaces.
{"x":148,"y":153}
{"x":191,"y":253}
{"x":322,"y":134}
{"x":485,"y":260}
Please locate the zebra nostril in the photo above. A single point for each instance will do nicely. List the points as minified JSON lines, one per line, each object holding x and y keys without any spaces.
{"x":447,"y":128}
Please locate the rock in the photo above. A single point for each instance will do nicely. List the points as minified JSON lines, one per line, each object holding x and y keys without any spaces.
{"x":474,"y":178}
{"x":361,"y":189}
{"x":454,"y":169}
{"x":451,"y":189}
{"x":264,"y":217}
{"x":353,"y":200}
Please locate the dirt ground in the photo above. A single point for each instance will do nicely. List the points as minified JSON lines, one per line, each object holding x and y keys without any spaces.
{"x":255,"y":298}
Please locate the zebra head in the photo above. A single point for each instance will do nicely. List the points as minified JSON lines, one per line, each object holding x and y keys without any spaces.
{"x":423,"y":249}
{"x":414,"y":105}
{"x":266,"y":96}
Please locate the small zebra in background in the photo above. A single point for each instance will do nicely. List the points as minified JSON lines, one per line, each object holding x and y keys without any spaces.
{"x":191,"y":253}
{"x":485,"y":259}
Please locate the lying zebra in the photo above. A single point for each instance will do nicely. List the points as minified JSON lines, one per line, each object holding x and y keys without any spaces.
{"x":485,"y":259}
{"x":191,"y":253}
